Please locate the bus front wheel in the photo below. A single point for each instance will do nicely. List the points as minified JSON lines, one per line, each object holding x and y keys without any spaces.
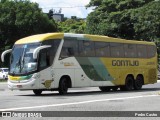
{"x":63,"y":86}
{"x":37,"y":92}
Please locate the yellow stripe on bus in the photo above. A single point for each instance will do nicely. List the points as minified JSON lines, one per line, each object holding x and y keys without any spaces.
{"x":14,"y":77}
{"x":40,"y":37}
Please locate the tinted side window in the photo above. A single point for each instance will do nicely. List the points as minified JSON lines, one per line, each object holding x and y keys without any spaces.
{"x":70,"y":48}
{"x":44,"y":59}
{"x":142,"y":51}
{"x":102,"y":49}
{"x":130,"y":50}
{"x":151,"y":50}
{"x":117,"y":50}
{"x":53,"y":49}
{"x":43,"y":62}
{"x":86,"y":48}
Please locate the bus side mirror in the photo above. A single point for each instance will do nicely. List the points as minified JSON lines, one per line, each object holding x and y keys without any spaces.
{"x":4,"y":53}
{"x":36,"y":51}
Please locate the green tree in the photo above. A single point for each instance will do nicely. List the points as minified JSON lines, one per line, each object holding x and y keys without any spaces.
{"x":73,"y":25}
{"x":147,"y":21}
{"x":129,"y":19}
{"x":20,"y":18}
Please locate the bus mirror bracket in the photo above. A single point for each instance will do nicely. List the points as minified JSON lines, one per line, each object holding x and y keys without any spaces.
{"x":36,"y":51}
{"x":4,"y":53}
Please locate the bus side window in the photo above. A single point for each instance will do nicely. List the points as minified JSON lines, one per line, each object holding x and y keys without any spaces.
{"x":86,"y":49}
{"x":151,"y":50}
{"x":69,"y":49}
{"x":52,"y":50}
{"x":102,"y":49}
{"x":117,"y":50}
{"x":67,"y":52}
{"x":142,"y":51}
{"x":130,"y":50}
{"x":44,"y":60}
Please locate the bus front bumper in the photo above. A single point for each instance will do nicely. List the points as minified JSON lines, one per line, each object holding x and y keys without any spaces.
{"x":30,"y":85}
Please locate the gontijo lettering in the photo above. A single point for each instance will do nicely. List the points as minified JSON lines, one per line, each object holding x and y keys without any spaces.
{"x":125,"y":63}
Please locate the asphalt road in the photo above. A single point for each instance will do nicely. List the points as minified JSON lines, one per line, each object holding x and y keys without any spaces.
{"x":80,"y":100}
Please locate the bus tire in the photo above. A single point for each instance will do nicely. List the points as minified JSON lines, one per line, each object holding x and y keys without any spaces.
{"x":105,"y":89}
{"x":63,"y":86}
{"x":128,"y":84}
{"x":138,"y":82}
{"x":37,"y":92}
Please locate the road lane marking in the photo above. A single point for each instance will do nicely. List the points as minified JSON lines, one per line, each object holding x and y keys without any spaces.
{"x":76,"y":103}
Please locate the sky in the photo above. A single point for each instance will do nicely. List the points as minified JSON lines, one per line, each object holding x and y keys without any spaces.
{"x":69,"y":7}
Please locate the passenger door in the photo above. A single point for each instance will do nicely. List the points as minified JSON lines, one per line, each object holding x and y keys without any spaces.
{"x":45,"y":81}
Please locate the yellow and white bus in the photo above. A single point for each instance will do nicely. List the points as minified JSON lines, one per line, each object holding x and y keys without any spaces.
{"x":58,"y":61}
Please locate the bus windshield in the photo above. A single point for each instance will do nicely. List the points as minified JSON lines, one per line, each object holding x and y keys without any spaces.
{"x":22,"y":61}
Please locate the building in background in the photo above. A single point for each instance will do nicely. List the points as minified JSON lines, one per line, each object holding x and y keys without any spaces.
{"x":58,"y":17}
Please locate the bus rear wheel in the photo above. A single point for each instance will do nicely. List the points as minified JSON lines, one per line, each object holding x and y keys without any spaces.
{"x":37,"y":92}
{"x":138,"y":83}
{"x":105,"y":89}
{"x":128,"y":84}
{"x":63,"y":86}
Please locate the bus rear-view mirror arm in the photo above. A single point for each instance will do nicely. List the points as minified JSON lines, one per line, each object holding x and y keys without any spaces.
{"x":36,"y":51}
{"x":4,"y":53}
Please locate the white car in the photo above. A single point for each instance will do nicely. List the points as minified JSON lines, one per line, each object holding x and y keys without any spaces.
{"x":3,"y":73}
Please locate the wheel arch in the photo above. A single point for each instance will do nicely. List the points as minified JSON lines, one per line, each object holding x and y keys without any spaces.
{"x":69,"y":81}
{"x":130,"y":75}
{"x":128,"y":83}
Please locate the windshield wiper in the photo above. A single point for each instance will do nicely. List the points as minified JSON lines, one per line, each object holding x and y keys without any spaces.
{"x":22,"y":60}
{"x":19,"y":64}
